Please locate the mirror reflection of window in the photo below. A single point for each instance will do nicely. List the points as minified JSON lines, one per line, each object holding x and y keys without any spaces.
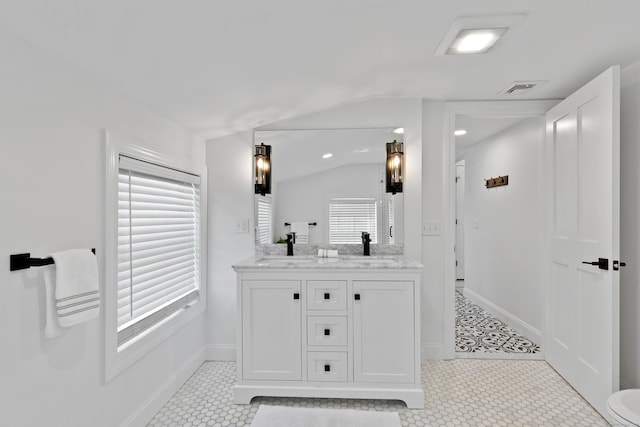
{"x":349,"y":217}
{"x":264,"y":221}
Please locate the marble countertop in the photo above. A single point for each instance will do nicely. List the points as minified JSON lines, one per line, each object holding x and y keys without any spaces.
{"x":351,"y":262}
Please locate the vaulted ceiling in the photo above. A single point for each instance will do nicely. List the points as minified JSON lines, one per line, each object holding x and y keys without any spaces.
{"x":218,"y":66}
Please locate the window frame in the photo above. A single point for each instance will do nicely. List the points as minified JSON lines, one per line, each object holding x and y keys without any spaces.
{"x":119,"y":358}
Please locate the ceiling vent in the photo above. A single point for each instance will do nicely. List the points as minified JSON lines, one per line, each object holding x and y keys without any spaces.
{"x":518,"y":88}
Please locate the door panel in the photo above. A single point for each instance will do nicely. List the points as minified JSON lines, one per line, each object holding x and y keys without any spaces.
{"x":271,"y":330}
{"x":582,"y":319}
{"x":460,"y":221}
{"x":562,"y":325}
{"x":383,"y":337}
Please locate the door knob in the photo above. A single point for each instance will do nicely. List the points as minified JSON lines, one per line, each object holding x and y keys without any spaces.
{"x":602,"y":263}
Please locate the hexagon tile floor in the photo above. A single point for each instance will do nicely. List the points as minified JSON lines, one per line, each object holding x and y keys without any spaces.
{"x":461,"y":392}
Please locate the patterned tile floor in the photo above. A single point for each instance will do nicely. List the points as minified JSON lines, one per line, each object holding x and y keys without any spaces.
{"x":461,"y":392}
{"x":478,"y":333}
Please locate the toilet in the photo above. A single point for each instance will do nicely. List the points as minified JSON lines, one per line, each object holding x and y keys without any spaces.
{"x":624,"y":407}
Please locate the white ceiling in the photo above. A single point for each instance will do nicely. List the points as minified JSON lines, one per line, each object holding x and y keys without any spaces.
{"x":217,"y":67}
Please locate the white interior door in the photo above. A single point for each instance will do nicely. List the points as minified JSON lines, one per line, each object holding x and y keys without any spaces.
{"x":460,"y":221}
{"x":582,"y":310}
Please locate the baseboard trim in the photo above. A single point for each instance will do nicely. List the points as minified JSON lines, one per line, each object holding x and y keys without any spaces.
{"x":221,"y":352}
{"x":150,"y":407}
{"x":435,"y":351}
{"x":514,"y":322}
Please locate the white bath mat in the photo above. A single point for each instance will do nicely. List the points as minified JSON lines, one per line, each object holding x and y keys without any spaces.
{"x":282,"y":416}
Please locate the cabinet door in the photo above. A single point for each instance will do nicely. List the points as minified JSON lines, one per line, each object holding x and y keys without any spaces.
{"x":271,"y":330}
{"x":383,"y":338}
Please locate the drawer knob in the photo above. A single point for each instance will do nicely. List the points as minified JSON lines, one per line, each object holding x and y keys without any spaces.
{"x":327,"y":332}
{"x":356,"y":297}
{"x":327,"y":368}
{"x":296,"y":296}
{"x":327,"y":295}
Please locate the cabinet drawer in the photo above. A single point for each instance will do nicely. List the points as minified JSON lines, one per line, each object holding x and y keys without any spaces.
{"x":327,"y":366}
{"x":326,"y":295}
{"x":327,"y":330}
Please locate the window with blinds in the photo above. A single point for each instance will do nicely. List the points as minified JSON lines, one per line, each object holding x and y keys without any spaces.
{"x":349,"y":217}
{"x":158,"y":244}
{"x":264,"y":233}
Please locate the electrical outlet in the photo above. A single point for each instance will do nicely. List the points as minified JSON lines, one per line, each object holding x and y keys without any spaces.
{"x":430,"y":228}
{"x":241,"y":226}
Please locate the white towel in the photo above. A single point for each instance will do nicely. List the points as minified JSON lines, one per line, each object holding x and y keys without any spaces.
{"x":52,"y":327}
{"x":76,"y":286}
{"x":302,"y":231}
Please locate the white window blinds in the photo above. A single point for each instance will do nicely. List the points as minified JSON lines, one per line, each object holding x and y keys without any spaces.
{"x":265,"y":227}
{"x":349,"y":217}
{"x":158,"y":244}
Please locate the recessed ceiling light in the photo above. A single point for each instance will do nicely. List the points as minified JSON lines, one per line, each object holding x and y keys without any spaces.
{"x":460,"y":132}
{"x":477,"y":40}
{"x":327,"y":155}
{"x":398,"y":130}
{"x":476,"y":34}
{"x":361,"y":150}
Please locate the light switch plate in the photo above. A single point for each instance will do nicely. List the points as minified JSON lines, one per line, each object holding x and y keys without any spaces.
{"x":431,"y":229}
{"x":241,"y":226}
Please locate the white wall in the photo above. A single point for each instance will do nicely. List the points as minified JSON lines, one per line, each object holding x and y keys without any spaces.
{"x":502,"y":225}
{"x":296,"y":202}
{"x":230,"y":198}
{"x":230,"y":165}
{"x":52,"y":186}
{"x":434,"y":298}
{"x":630,"y":230}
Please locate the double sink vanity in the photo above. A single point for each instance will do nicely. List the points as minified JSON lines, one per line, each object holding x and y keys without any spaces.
{"x":346,"y":327}
{"x":341,"y":327}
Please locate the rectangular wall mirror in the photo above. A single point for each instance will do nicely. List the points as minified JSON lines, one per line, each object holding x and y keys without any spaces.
{"x":332,"y":180}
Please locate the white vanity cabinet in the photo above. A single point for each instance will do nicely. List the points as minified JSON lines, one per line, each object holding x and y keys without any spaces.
{"x":340,"y":331}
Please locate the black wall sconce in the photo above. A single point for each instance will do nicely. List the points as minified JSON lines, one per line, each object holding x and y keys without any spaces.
{"x":262,"y":169}
{"x":395,"y":173}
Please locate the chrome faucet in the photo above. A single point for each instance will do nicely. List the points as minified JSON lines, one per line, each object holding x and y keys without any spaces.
{"x":366,"y":239}
{"x":291,"y":239}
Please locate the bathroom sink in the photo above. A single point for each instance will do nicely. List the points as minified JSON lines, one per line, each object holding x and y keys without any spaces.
{"x":310,"y":261}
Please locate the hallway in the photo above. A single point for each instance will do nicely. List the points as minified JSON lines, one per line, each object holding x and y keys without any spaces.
{"x":480,"y":335}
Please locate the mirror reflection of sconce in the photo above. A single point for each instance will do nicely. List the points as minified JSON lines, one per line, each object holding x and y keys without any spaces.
{"x":262,"y":174}
{"x":394,"y":167}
